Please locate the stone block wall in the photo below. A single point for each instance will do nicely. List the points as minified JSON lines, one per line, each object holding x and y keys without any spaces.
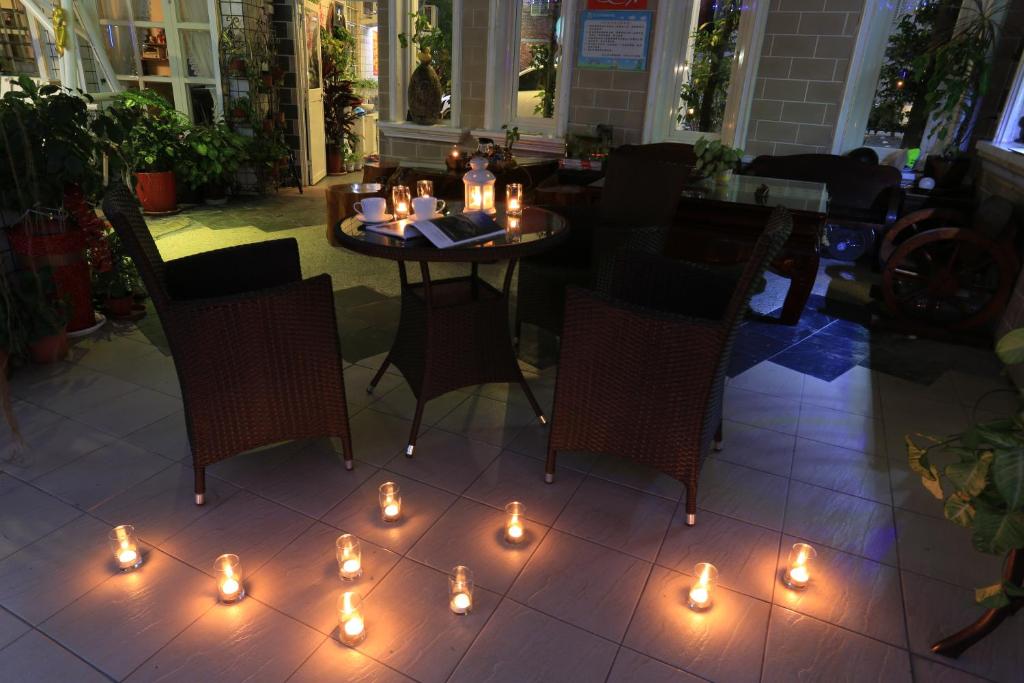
{"x":802,"y":74}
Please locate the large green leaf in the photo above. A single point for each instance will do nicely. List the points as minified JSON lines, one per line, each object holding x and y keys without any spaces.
{"x":969,"y":477}
{"x":1010,"y":347}
{"x":997,"y":532}
{"x":998,"y":434}
{"x":1008,"y":476}
{"x":959,"y":510}
{"x":992,"y":596}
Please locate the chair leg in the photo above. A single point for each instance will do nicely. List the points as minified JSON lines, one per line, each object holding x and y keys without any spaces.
{"x":691,"y":503}
{"x":342,"y":445}
{"x":380,"y":373}
{"x":200,"y":473}
{"x":717,"y":443}
{"x":416,"y":418}
{"x":549,"y":467}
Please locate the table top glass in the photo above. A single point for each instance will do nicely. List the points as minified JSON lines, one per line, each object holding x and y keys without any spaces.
{"x":533,"y":232}
{"x":795,"y":195}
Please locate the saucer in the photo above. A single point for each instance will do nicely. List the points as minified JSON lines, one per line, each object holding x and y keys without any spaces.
{"x":437,"y":214}
{"x":363,"y":219}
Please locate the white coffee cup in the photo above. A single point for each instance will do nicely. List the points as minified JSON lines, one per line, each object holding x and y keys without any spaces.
{"x":372,"y":208}
{"x":426,"y":207}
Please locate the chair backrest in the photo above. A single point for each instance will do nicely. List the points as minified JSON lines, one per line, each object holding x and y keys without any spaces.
{"x":852,"y":184}
{"x":122,"y":210}
{"x":672,"y":152}
{"x":642,"y":190}
{"x":767,"y":247}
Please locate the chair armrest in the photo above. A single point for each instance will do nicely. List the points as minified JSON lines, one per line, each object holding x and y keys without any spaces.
{"x":234,"y":270}
{"x":676,"y":287}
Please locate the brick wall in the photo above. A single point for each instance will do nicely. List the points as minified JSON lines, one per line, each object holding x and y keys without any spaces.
{"x":800,"y":78}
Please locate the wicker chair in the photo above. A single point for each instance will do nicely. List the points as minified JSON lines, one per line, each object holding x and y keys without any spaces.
{"x":641,"y":192}
{"x":642,"y":368}
{"x":255,"y":346}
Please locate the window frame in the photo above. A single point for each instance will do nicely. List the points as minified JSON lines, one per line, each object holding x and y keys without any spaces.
{"x":503,"y":62}
{"x":398,"y":78}
{"x":1013,"y":111}
{"x":667,"y":74}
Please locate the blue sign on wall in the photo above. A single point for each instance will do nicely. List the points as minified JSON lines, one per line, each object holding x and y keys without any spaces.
{"x":614,"y":40}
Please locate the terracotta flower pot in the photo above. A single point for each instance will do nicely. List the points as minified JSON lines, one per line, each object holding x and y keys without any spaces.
{"x":49,"y":349}
{"x":335,"y":161}
{"x":119,"y":307}
{"x":156,"y":191}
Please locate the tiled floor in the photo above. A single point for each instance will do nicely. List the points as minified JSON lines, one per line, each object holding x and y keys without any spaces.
{"x":597,"y":593}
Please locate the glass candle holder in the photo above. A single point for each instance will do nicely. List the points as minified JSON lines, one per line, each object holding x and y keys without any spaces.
{"x":515,"y":522}
{"x":351,"y":626}
{"x":401,"y":201}
{"x":460,"y":590}
{"x":228,"y":570}
{"x":513,"y":229}
{"x":424,"y":188}
{"x":350,"y":557}
{"x":514,"y":199}
{"x":390,"y":501}
{"x":798,"y":569}
{"x":453,"y":160}
{"x":702,"y":592}
{"x":125,"y":545}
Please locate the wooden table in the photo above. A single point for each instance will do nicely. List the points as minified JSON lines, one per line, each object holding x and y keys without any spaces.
{"x":454,"y":333}
{"x":720,"y":223}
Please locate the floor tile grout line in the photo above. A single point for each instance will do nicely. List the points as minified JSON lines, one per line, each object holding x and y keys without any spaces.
{"x":778,"y":553}
{"x":63,"y":647}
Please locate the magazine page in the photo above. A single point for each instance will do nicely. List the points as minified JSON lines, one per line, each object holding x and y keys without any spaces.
{"x":401,"y":229}
{"x":459,"y":229}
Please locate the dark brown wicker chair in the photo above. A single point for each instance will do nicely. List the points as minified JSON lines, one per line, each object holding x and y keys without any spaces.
{"x":642,"y":368}
{"x":255,"y":346}
{"x":641,"y":190}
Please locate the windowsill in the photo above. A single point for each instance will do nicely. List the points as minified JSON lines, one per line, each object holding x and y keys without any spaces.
{"x":1000,"y":154}
{"x":526,"y":143}
{"x":414,"y":131}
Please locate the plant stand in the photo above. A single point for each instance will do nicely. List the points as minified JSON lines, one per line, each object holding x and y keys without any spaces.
{"x":958,"y":643}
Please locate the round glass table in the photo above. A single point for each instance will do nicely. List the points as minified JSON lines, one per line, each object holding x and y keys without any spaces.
{"x":454,"y":332}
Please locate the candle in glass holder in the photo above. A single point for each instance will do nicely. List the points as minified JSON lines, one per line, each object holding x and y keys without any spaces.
{"x":460,"y":590}
{"x":351,"y":626}
{"x":390,"y":501}
{"x":798,"y":571}
{"x":513,"y":231}
{"x":514,"y":199}
{"x":515,"y":523}
{"x":228,"y":570}
{"x":424,"y":188}
{"x":350,"y":557}
{"x":126,"y":547}
{"x":400,"y":199}
{"x":702,"y":592}
{"x":453,"y":160}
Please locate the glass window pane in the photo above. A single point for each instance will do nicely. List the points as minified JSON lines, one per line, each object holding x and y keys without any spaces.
{"x":312,"y":25}
{"x":193,"y":10}
{"x":17,"y":55}
{"x":708,"y":66}
{"x":153,"y":52}
{"x":540,"y":50}
{"x":118,"y":42}
{"x":114,"y":10}
{"x":148,"y":10}
{"x":198,"y":52}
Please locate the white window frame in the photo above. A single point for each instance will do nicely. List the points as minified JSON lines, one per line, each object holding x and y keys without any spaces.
{"x":400,"y":66}
{"x":1009,"y":120}
{"x":503,"y":72}
{"x":862,"y":81}
{"x":671,"y":36}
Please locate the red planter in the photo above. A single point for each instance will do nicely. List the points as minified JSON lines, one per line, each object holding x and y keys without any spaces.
{"x":44,"y":243}
{"x":49,"y":349}
{"x":335,"y":161}
{"x":156,"y":191}
{"x":119,"y":307}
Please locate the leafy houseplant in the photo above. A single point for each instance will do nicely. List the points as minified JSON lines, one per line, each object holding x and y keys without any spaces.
{"x":715,"y":160}
{"x":154,"y":146}
{"x":704,"y":95}
{"x":117,"y":281}
{"x":986,"y":473}
{"x":542,"y":58}
{"x":43,"y":316}
{"x":215,"y":153}
{"x":337,"y":52}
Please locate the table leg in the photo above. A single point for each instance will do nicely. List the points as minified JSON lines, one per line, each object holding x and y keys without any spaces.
{"x":804,"y":272}
{"x":404,"y":278}
{"x":506,"y":287}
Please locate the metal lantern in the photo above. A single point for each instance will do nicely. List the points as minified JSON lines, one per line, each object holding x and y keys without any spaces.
{"x":479,"y":184}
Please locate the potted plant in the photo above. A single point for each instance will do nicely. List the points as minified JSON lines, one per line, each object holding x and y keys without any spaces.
{"x":43,"y":316}
{"x":154,"y":147}
{"x":115,"y":278}
{"x":350,"y":162}
{"x":426,"y":86}
{"x":985,"y":476}
{"x":240,"y":108}
{"x":715,"y":160}
{"x":215,"y":153}
{"x":337,"y":49}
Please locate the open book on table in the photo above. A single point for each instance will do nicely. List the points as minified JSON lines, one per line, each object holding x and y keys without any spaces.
{"x":459,"y":229}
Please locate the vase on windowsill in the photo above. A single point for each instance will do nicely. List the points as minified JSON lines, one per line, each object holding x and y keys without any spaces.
{"x":425,"y":93}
